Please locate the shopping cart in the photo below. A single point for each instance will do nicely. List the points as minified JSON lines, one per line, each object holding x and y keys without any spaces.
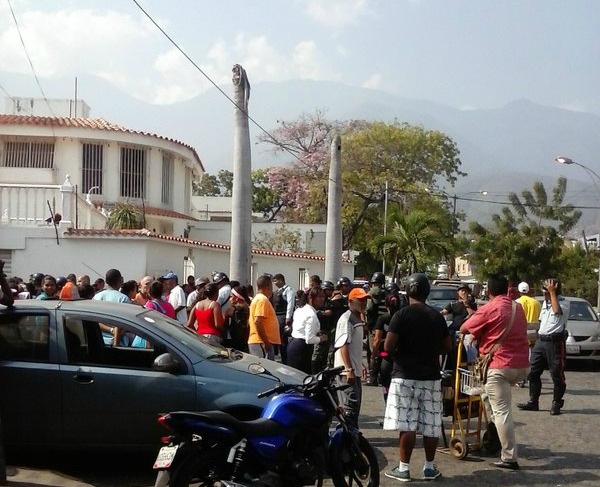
{"x":468,"y":411}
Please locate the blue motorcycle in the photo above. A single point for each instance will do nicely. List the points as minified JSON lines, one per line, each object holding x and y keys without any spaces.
{"x":289,"y":445}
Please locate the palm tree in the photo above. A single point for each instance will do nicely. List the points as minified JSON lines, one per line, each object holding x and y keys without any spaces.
{"x":125,"y":216}
{"x":416,"y":239}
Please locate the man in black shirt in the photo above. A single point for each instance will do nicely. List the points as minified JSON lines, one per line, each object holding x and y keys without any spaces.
{"x":416,"y":338}
{"x":461,"y":309}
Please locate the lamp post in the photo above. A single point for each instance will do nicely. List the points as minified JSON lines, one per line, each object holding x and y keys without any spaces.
{"x":595,"y":178}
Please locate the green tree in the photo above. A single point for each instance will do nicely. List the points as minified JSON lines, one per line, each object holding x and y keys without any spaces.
{"x":408,"y":158}
{"x":225,"y":180}
{"x":207,"y":186}
{"x":125,"y":216}
{"x":264,"y":199}
{"x":415,"y":241}
{"x":578,"y":272}
{"x":527,"y":239}
{"x":282,"y":239}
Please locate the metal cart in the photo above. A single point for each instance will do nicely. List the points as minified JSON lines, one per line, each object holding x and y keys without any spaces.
{"x":468,"y":412}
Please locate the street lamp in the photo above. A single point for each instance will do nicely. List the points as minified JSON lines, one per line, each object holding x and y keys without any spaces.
{"x":595,"y":178}
{"x":458,"y":197}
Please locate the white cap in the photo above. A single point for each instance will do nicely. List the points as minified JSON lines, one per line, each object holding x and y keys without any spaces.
{"x":523,"y":287}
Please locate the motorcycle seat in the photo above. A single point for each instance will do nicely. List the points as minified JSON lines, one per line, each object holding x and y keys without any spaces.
{"x":254,"y":428}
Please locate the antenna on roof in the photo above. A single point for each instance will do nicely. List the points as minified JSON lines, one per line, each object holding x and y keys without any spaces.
{"x":75,"y":96}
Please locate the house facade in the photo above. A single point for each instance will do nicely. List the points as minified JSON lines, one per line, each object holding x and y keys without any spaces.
{"x":61,"y":176}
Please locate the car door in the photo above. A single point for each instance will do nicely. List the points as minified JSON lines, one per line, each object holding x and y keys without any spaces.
{"x":30,"y":397}
{"x":111,"y":395}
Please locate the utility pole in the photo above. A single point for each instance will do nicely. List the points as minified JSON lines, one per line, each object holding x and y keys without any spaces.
{"x":241,"y":212}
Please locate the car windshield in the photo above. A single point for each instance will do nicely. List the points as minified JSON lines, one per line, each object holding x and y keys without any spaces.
{"x":442,"y":294}
{"x":581,"y":311}
{"x":184,"y":335}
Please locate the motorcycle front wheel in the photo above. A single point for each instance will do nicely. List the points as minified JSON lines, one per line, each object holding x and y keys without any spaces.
{"x":198,"y":471}
{"x":346,"y":469}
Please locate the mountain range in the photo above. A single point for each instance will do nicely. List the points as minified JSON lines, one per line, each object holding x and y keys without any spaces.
{"x":502,"y":149}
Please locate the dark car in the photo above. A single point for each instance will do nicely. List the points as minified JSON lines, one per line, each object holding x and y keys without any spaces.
{"x":440,"y":296}
{"x":63,"y":385}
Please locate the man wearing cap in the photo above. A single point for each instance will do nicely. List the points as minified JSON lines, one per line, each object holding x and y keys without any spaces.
{"x":176,"y":296}
{"x":349,"y":334}
{"x":461,"y":309}
{"x":532,"y":309}
{"x":200,"y":283}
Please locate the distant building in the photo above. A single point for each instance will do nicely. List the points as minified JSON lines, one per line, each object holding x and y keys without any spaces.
{"x":80,"y":168}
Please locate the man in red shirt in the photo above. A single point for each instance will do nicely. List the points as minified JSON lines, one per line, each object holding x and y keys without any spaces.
{"x":510,"y":361}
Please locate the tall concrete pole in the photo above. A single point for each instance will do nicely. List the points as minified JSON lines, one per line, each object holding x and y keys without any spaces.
{"x":333,"y":236}
{"x":241,"y":212}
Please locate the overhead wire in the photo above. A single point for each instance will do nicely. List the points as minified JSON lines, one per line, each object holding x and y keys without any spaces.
{"x":7,"y":93}
{"x":29,"y":59}
{"x":210,"y":80}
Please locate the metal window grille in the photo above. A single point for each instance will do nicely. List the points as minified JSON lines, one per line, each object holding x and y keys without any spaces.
{"x":133,"y":173}
{"x":36,"y":155}
{"x":91,"y":171}
{"x":168,"y":173}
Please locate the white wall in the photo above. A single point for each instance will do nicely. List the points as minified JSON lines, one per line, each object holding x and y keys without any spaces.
{"x":312,"y":236}
{"x":35,"y":250}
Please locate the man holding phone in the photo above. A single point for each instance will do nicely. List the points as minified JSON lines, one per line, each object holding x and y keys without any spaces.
{"x":549,"y":349}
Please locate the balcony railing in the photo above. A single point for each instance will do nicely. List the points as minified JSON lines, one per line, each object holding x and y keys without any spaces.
{"x":30,"y":204}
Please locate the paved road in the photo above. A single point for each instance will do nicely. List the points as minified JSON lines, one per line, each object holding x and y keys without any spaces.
{"x":555,"y":450}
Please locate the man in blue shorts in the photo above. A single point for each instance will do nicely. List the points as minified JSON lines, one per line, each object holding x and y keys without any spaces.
{"x":416,"y":338}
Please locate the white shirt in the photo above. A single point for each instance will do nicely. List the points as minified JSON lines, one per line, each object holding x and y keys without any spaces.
{"x":306,"y":324}
{"x":352,"y":327}
{"x":191,"y":299}
{"x":177,"y":299}
{"x":552,"y":323}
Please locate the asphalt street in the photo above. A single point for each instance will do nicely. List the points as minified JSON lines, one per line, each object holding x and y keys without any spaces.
{"x":554,"y":450}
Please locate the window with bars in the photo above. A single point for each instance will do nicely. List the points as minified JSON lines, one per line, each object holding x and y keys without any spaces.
{"x":33,"y":154}
{"x":133,"y":172}
{"x":168,"y":173}
{"x":91,"y":170}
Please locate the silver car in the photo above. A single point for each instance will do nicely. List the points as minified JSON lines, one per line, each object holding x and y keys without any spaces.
{"x":583,"y":342}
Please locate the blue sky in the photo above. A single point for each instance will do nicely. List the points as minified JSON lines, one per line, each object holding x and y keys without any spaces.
{"x":467,"y":54}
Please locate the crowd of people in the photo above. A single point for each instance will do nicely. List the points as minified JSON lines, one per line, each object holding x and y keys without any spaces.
{"x":334,"y":323}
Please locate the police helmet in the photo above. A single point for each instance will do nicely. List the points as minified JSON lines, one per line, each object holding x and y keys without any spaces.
{"x":344,"y":281}
{"x":418,"y":286}
{"x":219,"y":276}
{"x":392,"y":288}
{"x":378,"y":278}
{"x":328,"y":285}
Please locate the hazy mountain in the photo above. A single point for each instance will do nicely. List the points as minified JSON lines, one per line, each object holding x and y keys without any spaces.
{"x":503,"y":149}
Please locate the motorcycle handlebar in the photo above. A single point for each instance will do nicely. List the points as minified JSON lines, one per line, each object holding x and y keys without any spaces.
{"x":268,"y":392}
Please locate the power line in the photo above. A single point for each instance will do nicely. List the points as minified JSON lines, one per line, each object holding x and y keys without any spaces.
{"x":29,"y":59}
{"x":7,"y":93}
{"x":172,"y":41}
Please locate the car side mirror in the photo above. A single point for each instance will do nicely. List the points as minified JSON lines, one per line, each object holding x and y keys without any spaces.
{"x":165,"y":363}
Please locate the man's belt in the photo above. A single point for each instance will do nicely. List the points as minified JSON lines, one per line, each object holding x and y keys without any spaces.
{"x":553,"y":337}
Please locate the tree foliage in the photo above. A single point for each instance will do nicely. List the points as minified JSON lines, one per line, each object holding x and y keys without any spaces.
{"x":408,"y":158}
{"x":415,"y":240}
{"x":527,"y":238}
{"x":282,"y":239}
{"x":211,"y":185}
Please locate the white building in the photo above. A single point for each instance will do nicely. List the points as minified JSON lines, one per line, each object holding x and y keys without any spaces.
{"x":80,"y":168}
